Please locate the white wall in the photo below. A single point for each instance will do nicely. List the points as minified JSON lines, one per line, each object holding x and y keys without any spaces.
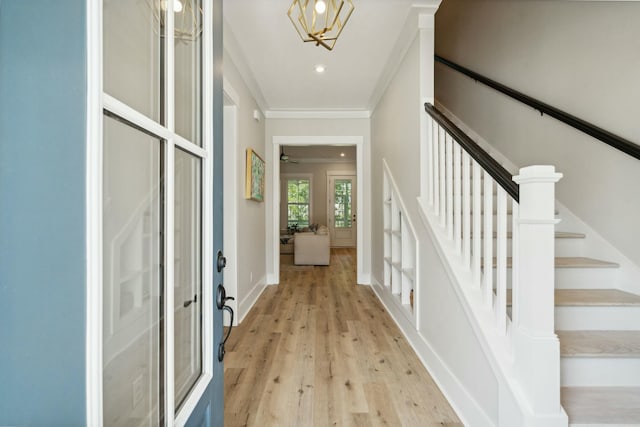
{"x":318,"y":172}
{"x":581,"y":57}
{"x":445,"y":339}
{"x":250,"y":234}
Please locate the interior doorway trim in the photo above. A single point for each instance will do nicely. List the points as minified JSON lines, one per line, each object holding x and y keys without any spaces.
{"x":273,"y":202}
{"x":230,"y":203}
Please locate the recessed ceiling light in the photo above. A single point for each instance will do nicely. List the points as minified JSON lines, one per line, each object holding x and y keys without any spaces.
{"x":319,"y":68}
{"x":341,"y":154}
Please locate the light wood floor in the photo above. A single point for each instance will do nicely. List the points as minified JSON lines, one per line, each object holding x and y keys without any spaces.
{"x":319,"y":350}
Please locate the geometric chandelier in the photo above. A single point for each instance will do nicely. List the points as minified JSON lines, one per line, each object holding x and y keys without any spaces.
{"x":187,"y":19}
{"x":320,"y":21}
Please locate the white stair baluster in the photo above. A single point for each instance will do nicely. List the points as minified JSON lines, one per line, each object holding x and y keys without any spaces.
{"x":501,"y":261}
{"x":487,"y":237}
{"x":430,"y":163}
{"x":449,"y":179}
{"x":477,"y":223}
{"x":443,"y":203}
{"x":457,"y":197}
{"x":466,"y":210}
{"x":514,"y":259}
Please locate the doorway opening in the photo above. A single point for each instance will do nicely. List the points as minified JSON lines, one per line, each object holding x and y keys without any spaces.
{"x":318,"y":189}
{"x":318,"y":202}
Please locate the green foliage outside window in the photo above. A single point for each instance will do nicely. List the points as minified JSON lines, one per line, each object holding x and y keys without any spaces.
{"x":298,"y":202}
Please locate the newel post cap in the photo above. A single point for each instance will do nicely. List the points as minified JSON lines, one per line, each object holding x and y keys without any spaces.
{"x":537,"y":173}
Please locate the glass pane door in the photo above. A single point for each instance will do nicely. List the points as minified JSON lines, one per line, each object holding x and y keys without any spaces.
{"x":342,"y":203}
{"x":133,"y":53}
{"x":342,"y":209}
{"x":154,"y":156}
{"x":187,"y":273}
{"x":133,"y":379}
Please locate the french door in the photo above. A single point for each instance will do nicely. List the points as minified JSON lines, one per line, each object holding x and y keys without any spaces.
{"x":161,"y":164}
{"x":341,"y":207}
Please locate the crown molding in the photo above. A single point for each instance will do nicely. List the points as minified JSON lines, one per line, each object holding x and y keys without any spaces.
{"x":421,"y":15}
{"x":234,"y":52}
{"x":320,"y":114}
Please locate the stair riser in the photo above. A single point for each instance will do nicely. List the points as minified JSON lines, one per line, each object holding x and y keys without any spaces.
{"x":587,"y":318}
{"x":563,"y":247}
{"x":578,"y":278}
{"x":586,"y":278}
{"x":600,"y":372}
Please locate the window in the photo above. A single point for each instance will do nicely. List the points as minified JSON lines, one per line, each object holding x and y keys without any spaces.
{"x":298,"y":202}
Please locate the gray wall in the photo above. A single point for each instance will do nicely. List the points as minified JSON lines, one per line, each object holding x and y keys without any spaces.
{"x":251,"y":242}
{"x":582,"y":57}
{"x":395,"y":127}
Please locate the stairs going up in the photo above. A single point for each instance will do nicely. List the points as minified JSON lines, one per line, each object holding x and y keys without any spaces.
{"x":599,"y":332}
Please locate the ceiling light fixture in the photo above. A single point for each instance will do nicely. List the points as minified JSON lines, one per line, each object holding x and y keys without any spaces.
{"x":187,"y":19}
{"x":319,"y":68}
{"x":341,"y":154}
{"x":320,"y":7}
{"x":320,"y":21}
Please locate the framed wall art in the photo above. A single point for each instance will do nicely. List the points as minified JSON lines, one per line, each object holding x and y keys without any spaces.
{"x":254,"y":189}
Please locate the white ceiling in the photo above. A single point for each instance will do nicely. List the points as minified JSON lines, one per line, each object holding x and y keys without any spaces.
{"x":259,"y":33}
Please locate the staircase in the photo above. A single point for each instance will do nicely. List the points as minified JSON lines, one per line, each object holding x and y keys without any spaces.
{"x":480,"y":217}
{"x":599,"y":331}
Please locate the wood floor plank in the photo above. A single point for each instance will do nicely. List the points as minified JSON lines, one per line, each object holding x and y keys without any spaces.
{"x":319,"y":350}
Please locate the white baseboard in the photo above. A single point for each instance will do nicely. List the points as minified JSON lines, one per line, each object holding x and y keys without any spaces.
{"x":249,"y":301}
{"x":465,"y":406}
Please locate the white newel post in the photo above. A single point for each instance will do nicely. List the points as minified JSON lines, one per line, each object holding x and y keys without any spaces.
{"x":536,"y":346}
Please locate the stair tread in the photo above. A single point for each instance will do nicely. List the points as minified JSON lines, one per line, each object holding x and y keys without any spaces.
{"x":591,"y":298}
{"x":574,"y":262}
{"x":583,"y":262}
{"x":603,"y":405}
{"x":610,"y":344}
{"x":595,"y":297}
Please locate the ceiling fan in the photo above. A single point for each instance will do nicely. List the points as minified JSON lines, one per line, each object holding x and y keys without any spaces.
{"x":284,"y":158}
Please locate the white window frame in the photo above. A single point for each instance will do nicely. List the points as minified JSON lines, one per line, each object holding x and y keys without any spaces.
{"x":97,"y":100}
{"x":284,"y":178}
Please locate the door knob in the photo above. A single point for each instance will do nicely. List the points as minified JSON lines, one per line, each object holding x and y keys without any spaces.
{"x":222,"y":298}
{"x":222,"y":261}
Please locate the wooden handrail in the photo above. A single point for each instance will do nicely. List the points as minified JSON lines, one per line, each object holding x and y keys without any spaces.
{"x":502,"y":176}
{"x":607,"y":137}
